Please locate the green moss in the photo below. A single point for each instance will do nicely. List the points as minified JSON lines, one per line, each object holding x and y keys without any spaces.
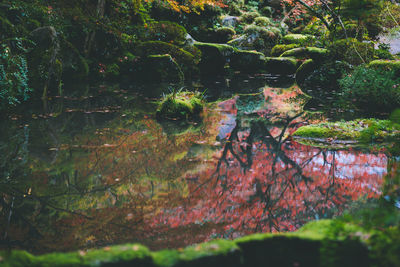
{"x":263,"y":21}
{"x":187,"y":61}
{"x":281,"y":65}
{"x":247,"y":61}
{"x":249,"y":17}
{"x":315,"y":53}
{"x":213,"y":57}
{"x":386,"y":65}
{"x":134,"y":255}
{"x":223,"y":34}
{"x":182,"y":105}
{"x":281,"y":48}
{"x":165,"y":31}
{"x":301,"y":39}
{"x":304,"y":71}
{"x":362,"y":130}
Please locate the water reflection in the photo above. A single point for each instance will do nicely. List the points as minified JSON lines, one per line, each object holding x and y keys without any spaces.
{"x":99,"y":171}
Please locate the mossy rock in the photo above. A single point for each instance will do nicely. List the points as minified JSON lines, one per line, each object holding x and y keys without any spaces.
{"x":305,"y":70}
{"x":249,"y":17}
{"x":165,"y":31}
{"x":247,"y":61}
{"x":300,"y":39}
{"x":361,"y":130}
{"x":223,"y":34}
{"x":281,"y":65}
{"x":279,"y":49}
{"x":187,"y":61}
{"x":263,"y":21}
{"x":158,"y":68}
{"x":315,"y":53}
{"x":352,"y":51}
{"x":386,"y":65}
{"x":182,"y":105}
{"x":213,"y":57}
{"x":318,"y":243}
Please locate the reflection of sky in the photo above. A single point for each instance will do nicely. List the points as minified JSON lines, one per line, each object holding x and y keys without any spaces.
{"x":348,"y":165}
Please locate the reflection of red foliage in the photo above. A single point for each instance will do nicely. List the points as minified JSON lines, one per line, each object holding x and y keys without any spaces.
{"x":274,"y":195}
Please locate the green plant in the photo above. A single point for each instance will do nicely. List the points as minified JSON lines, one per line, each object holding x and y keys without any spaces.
{"x":14,"y":86}
{"x":372,"y":90}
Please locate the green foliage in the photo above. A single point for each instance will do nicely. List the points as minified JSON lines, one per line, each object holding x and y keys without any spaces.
{"x":383,"y":52}
{"x":372,"y":90}
{"x":14,"y":86}
{"x":352,"y":51}
{"x":326,"y":76}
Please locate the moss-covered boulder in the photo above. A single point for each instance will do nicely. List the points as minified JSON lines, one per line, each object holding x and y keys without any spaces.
{"x":258,"y":38}
{"x":247,"y":61}
{"x":279,"y":49}
{"x":181,"y":105}
{"x":223,"y":34}
{"x":213,"y":57}
{"x":281,"y":65}
{"x":187,"y":60}
{"x":304,"y":71}
{"x":386,"y":65}
{"x":300,"y":39}
{"x":315,"y":53}
{"x":157,"y":68}
{"x":360,"y":131}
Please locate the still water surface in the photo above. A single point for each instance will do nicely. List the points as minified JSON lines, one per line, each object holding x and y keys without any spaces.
{"x":82,"y":172}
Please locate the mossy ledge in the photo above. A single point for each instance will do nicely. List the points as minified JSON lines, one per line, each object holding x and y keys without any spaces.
{"x":319,"y":243}
{"x":362,"y":131}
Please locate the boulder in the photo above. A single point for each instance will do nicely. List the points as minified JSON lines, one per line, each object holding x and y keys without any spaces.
{"x":304,"y":71}
{"x":315,"y":53}
{"x":213,"y":57}
{"x":158,"y":68}
{"x":301,"y":39}
{"x":281,"y":48}
{"x":229,"y":21}
{"x":280,"y":65}
{"x":247,"y":61}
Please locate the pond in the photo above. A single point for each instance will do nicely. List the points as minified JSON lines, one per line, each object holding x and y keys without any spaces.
{"x":83,"y":172}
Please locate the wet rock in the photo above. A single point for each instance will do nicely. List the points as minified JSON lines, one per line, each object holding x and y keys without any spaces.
{"x":280,"y":65}
{"x":213,"y":57}
{"x":304,"y":71}
{"x":247,"y":61}
{"x":158,"y":68}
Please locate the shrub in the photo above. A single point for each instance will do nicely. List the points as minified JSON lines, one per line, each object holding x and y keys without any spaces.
{"x":326,"y":76}
{"x":352,"y":51}
{"x":372,"y":90}
{"x":14,"y":86}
